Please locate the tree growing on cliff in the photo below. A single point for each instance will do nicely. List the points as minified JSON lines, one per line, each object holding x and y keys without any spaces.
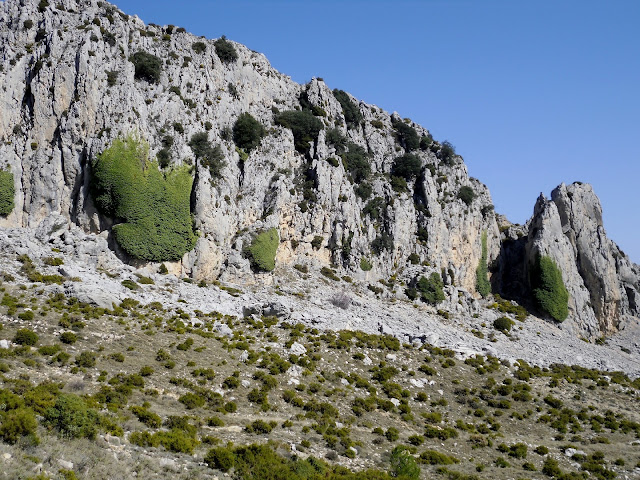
{"x":549,"y":291}
{"x":7,"y":193}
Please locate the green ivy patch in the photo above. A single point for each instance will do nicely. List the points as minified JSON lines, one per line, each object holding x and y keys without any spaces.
{"x":152,"y":208}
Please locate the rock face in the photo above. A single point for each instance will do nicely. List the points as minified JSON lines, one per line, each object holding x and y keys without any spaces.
{"x":603,"y":284}
{"x":68,"y":89}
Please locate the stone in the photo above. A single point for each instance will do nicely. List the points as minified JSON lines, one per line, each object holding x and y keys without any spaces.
{"x":65,"y":464}
{"x":223,"y":329}
{"x":298,"y":349}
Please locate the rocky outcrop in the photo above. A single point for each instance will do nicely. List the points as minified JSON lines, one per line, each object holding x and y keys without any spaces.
{"x":603,"y":284}
{"x":69,"y":89}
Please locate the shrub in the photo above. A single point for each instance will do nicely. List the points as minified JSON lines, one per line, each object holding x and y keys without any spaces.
{"x":384,"y":241}
{"x":483,"y":287}
{"x":466,"y":194}
{"x":209,"y":156}
{"x":407,"y":166}
{"x":26,"y":315}
{"x":130,"y":284}
{"x":433,"y":457}
{"x":191,"y":400}
{"x":220,"y":458}
{"x":304,"y":126}
{"x":365,"y":265}
{"x":147,"y":66}
{"x":27,"y":24}
{"x":24,"y":336}
{"x":199,"y":47}
{"x":71,"y":417}
{"x":18,"y":423}
{"x":259,"y":426}
{"x":53,"y":261}
{"x":86,"y":359}
{"x":69,"y":338}
{"x":447,"y":153}
{"x":356,"y":162}
{"x":364,"y":190}
{"x":335,"y":138}
{"x":549,"y":292}
{"x":430,"y":289}
{"x":403,"y":465}
{"x":263,"y":250}
{"x":225,"y":50}
{"x":150,"y":419}
{"x":407,"y":136}
{"x":503,"y":324}
{"x":374,"y":207}
{"x":7,"y":193}
{"x":351,"y":112}
{"x":247,"y":132}
{"x":154,"y":207}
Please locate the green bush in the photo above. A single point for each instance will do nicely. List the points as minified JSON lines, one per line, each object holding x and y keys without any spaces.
{"x":549,"y":292}
{"x":364,"y":190}
{"x":433,"y":457}
{"x":351,"y":112}
{"x":69,"y":338}
{"x":209,"y":156}
{"x":304,"y":126}
{"x":7,"y":193}
{"x":407,"y":136}
{"x":263,"y":250}
{"x":147,"y":66}
{"x":154,"y":207}
{"x":71,"y":417}
{"x":334,"y":137}
{"x":503,"y":324}
{"x":382,"y":242}
{"x":365,"y":265}
{"x":24,"y":336}
{"x":225,"y":50}
{"x":247,"y":132}
{"x":430,"y":289}
{"x":199,"y":47}
{"x":27,"y":315}
{"x":374,"y":208}
{"x":130,"y":284}
{"x":192,"y":400}
{"x":447,"y":153}
{"x":403,"y":465}
{"x":466,"y":194}
{"x":86,"y":359}
{"x":483,"y":287}
{"x":356,"y":162}
{"x":259,"y":427}
{"x":407,"y":166}
{"x":18,"y":423}
{"x":220,"y":458}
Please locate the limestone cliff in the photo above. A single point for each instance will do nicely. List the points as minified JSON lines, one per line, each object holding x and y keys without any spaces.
{"x":602,"y":282}
{"x":68,"y":89}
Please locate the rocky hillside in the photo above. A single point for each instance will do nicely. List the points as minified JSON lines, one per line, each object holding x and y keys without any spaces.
{"x":344,"y":185}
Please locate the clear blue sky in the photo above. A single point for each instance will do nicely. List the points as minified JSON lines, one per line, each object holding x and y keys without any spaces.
{"x":532,"y":94}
